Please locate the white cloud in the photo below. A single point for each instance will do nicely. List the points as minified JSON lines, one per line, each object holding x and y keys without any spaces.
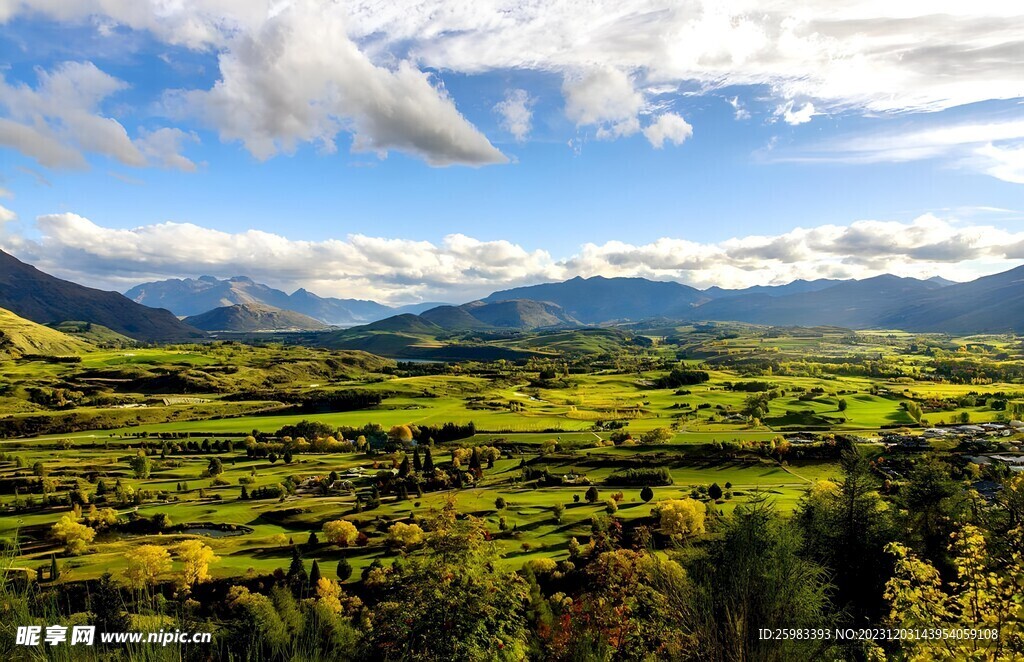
{"x":739,"y":112}
{"x":670,"y":127}
{"x":298,"y":78}
{"x":461,"y":268}
{"x":604,"y":98}
{"x":59,"y":120}
{"x":993,"y":147}
{"x":1005,"y":163}
{"x":6,"y":215}
{"x":793,"y":116}
{"x":164,"y":147}
{"x":313,"y":69}
{"x":516,"y":113}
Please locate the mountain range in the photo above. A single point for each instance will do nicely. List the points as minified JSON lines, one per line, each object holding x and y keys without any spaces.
{"x":193,"y":296}
{"x":989,"y":304}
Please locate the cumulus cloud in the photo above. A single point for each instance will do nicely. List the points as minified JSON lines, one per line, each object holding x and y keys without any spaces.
{"x":298,"y":78}
{"x":604,"y":98}
{"x":670,"y":127}
{"x":461,"y":268}
{"x":59,"y":120}
{"x":516,"y":113}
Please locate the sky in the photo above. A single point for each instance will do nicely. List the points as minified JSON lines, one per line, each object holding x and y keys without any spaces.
{"x":439,"y":150}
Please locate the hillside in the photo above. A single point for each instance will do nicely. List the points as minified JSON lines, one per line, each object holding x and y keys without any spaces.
{"x":96,"y":334}
{"x":857,"y":304}
{"x":194,"y":296}
{"x":252,"y":317}
{"x":19,"y":336}
{"x":990,"y":304}
{"x":42,"y":298}
{"x":598,"y":299}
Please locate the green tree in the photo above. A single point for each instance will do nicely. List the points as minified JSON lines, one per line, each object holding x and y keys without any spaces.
{"x":141,"y":465}
{"x":647,"y":494}
{"x":481,"y":615}
{"x":344,"y":570}
{"x":592,"y":494}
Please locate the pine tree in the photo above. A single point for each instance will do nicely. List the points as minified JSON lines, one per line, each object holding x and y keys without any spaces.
{"x":313,"y":540}
{"x":54,"y":570}
{"x":344,"y":570}
{"x":403,"y":468}
{"x":417,"y":465}
{"x":245,"y":493}
{"x":646,"y":494}
{"x":314,"y":575}
{"x":428,"y":461}
{"x":297,"y":569}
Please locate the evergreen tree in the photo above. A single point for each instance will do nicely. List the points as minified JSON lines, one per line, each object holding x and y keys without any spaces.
{"x":245,"y":493}
{"x":428,"y":461}
{"x":313,"y":540}
{"x":314,"y":575}
{"x":417,"y":464}
{"x":403,"y":468}
{"x":647,"y":494}
{"x":54,"y":570}
{"x":297,"y":569}
{"x":344,"y":569}
{"x":107,"y":607}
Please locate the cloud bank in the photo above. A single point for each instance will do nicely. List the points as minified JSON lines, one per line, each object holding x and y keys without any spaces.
{"x":460,"y":268}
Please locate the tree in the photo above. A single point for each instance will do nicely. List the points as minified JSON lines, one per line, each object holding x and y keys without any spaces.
{"x":845,"y":528}
{"x":245,"y":493}
{"x":985,"y":595}
{"x":400,"y":433}
{"x":141,"y":465}
{"x":428,"y":461}
{"x":656,"y":436}
{"x":715,"y":491}
{"x":500,"y":503}
{"x":38,"y":469}
{"x":647,"y":494}
{"x":611,"y":507}
{"x":107,"y":606}
{"x":297,"y":569}
{"x":558,"y":509}
{"x":312,"y":541}
{"x":340,"y":532}
{"x":287,"y":456}
{"x":145,"y":564}
{"x":196,"y":559}
{"x":482,"y":614}
{"x":54,"y":570}
{"x":215,"y":467}
{"x":842,"y":404}
{"x":75,"y":536}
{"x":314,"y":574}
{"x":681,"y":518}
{"x":417,"y":463}
{"x":344,"y":570}
{"x":405,"y":535}
{"x":404,"y":467}
{"x":592,"y":494}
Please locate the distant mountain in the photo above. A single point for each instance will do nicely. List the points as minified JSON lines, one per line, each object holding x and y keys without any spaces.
{"x":796,"y":287}
{"x":599,"y":299}
{"x":253,"y":317}
{"x":993,"y":304}
{"x":19,"y":336}
{"x":42,"y":298}
{"x":855,"y":304}
{"x":192,"y":296}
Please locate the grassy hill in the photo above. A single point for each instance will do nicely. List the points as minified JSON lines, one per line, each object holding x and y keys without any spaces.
{"x":96,"y":334}
{"x":250,"y":317}
{"x":19,"y":336}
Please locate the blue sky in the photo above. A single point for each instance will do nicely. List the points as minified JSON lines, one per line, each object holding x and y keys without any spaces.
{"x":435,"y":153}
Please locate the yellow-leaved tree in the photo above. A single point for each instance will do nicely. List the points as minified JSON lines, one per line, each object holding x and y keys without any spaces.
{"x":75,"y":535}
{"x":986,"y":595}
{"x":681,"y":518}
{"x":196,"y":558}
{"x":341,"y":532}
{"x":145,"y":564}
